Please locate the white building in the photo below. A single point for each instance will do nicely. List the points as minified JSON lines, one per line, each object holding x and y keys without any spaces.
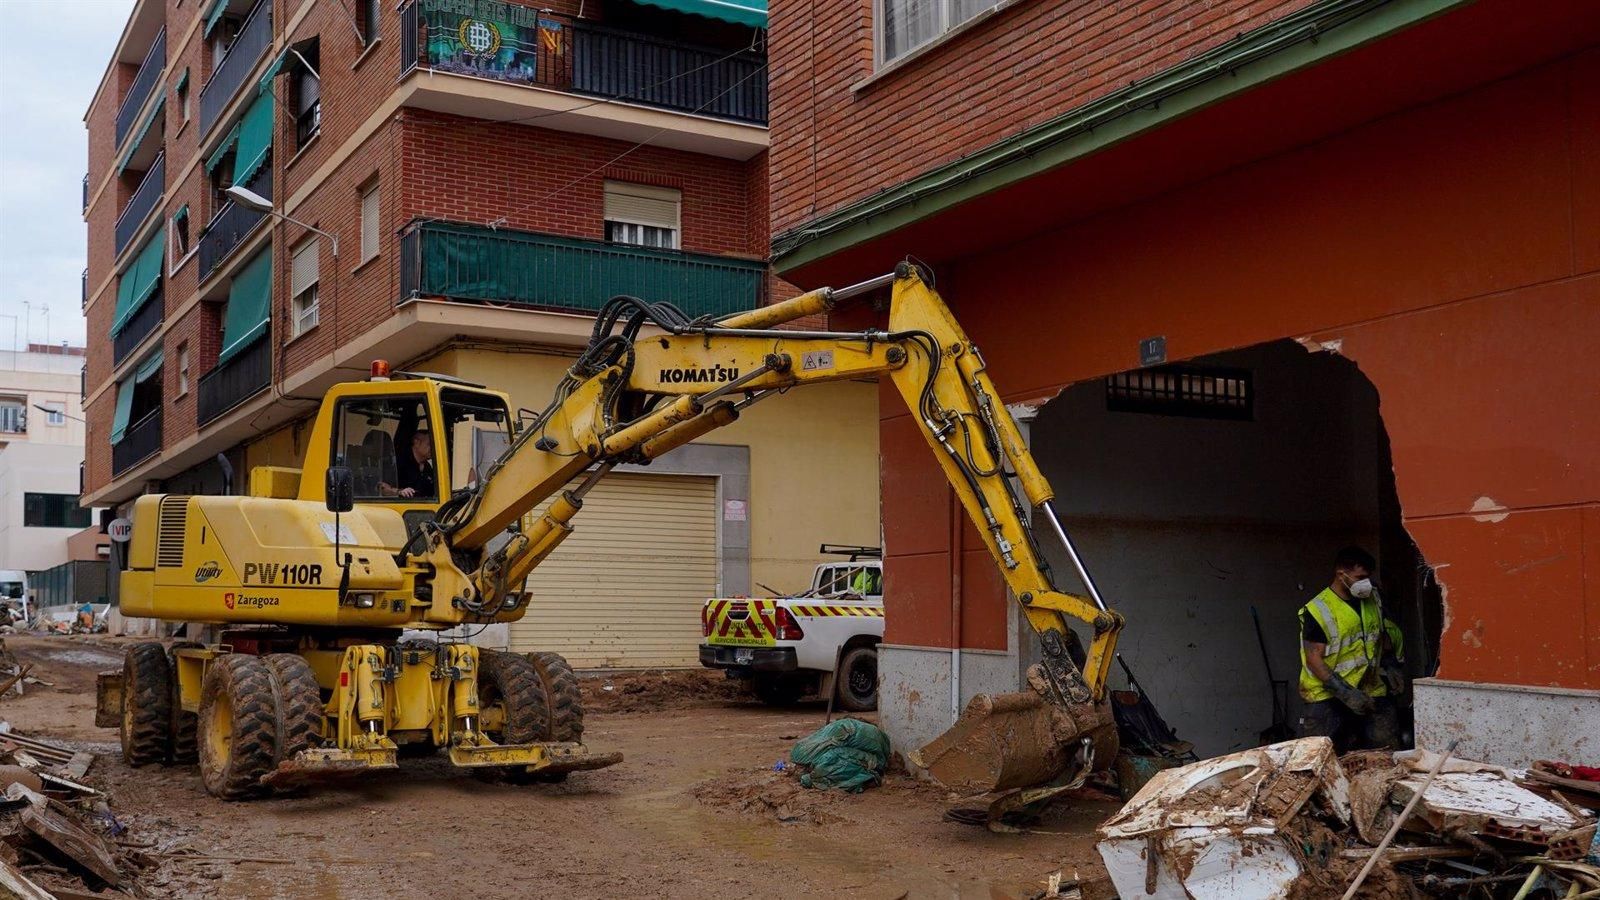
{"x":41,"y":454}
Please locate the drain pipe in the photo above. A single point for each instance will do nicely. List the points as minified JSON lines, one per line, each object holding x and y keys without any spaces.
{"x":956,"y":514}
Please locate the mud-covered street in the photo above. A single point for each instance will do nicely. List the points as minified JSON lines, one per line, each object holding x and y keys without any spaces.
{"x":694,"y":810}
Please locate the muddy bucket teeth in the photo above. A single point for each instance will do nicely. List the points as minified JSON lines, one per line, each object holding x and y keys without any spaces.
{"x":1016,"y":740}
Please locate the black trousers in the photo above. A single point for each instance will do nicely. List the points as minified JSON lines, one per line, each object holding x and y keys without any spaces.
{"x":1332,"y":719}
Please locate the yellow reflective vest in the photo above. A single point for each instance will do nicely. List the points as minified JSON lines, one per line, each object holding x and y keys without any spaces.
{"x":1355,"y":642}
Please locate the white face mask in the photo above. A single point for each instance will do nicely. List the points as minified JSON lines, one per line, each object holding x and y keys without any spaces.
{"x":1361,"y":589}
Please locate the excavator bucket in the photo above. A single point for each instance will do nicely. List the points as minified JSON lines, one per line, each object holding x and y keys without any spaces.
{"x":1018,"y":740}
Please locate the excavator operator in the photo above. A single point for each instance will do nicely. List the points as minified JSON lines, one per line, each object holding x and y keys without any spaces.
{"x":416,"y":477}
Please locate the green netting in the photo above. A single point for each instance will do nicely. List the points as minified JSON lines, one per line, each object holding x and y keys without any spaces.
{"x":139,"y":280}
{"x":119,"y":421}
{"x":255,"y":139}
{"x":249,"y":306}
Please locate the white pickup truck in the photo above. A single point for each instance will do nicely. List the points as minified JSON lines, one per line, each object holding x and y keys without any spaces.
{"x":793,"y":646}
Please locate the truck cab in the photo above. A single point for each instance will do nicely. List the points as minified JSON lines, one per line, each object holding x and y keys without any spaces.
{"x":822,"y":640}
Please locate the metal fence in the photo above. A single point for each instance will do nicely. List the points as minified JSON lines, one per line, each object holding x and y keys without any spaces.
{"x":235,"y":381}
{"x":230,"y":74}
{"x":143,"y":202}
{"x":143,"y":83}
{"x":139,"y":443}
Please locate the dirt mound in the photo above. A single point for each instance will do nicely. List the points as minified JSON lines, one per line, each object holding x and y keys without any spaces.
{"x":662,"y":689}
{"x":772,"y":796}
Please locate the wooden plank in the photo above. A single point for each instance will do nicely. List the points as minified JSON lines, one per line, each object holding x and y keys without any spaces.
{"x":82,"y":847}
{"x":19,"y":885}
{"x":79,"y":765}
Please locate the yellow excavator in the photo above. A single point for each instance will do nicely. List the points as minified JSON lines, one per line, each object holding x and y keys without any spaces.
{"x":423,"y":505}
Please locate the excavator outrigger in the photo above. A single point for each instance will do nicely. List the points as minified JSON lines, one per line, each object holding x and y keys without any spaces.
{"x":312,"y":591}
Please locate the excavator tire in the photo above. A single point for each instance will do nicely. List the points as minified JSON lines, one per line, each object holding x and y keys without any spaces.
{"x":512,"y":682}
{"x":858,"y":680}
{"x":238,"y":726}
{"x":182,"y":724}
{"x":300,"y":699}
{"x":564,"y":702}
{"x":146,"y":704}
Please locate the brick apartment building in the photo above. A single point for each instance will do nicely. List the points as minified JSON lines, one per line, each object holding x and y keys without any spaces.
{"x":1265,"y":278}
{"x":468,"y":181}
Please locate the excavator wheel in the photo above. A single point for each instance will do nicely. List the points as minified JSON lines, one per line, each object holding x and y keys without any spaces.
{"x":563,"y":700}
{"x":300,"y":699}
{"x":511,"y":682}
{"x":146,"y":704}
{"x":238,"y":726}
{"x":182,"y":724}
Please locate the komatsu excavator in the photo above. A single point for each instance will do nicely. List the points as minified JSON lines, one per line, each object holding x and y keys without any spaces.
{"x":313,"y":579}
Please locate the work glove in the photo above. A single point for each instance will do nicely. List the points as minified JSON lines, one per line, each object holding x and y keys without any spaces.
{"x":1394,"y":679}
{"x":1354,"y":700}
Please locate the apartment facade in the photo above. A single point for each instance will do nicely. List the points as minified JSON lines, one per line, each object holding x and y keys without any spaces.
{"x":468,"y":181}
{"x":41,"y":454}
{"x":1262,"y":279}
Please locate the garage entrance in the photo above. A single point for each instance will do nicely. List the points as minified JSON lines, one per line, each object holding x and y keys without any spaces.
{"x":1201,"y":491}
{"x":625,"y":589}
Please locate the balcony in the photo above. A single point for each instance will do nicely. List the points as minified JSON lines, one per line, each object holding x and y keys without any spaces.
{"x":144,"y":201}
{"x":139,"y":443}
{"x":640,"y":69}
{"x":541,"y":271}
{"x":237,"y":65}
{"x":231,"y":225}
{"x":143,"y":83}
{"x":235,"y":381}
{"x":138,"y":328}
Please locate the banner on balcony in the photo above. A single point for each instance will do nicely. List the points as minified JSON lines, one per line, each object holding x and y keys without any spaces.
{"x":490,"y":39}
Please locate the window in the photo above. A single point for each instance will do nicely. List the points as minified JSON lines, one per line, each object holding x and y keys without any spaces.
{"x":53,"y":511}
{"x":642,"y":214}
{"x":182,"y":90}
{"x":388,"y":446}
{"x":183,"y":368}
{"x":905,"y":25}
{"x":307,"y":94}
{"x":303,"y":287}
{"x":369,"y":221}
{"x":54,"y":413}
{"x":1206,"y":392}
{"x":180,"y":234}
{"x":370,"y":20}
{"x":13,"y":416}
{"x":221,"y":180}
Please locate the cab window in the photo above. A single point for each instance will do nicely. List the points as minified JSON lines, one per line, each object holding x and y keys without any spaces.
{"x":388,"y":445}
{"x":477,"y":431}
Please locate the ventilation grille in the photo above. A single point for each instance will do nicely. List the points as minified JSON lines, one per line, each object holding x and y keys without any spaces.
{"x":174,"y":521}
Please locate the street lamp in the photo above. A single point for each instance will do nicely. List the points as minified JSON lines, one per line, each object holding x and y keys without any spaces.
{"x":45,"y":409}
{"x":251,"y":200}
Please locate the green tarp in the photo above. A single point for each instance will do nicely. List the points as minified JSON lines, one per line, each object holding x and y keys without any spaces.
{"x":148,"y":368}
{"x":847,"y":754}
{"x":139,"y":280}
{"x":218,"y":7}
{"x":119,"y":422}
{"x":255,"y":139}
{"x":249,"y":306}
{"x":739,"y":12}
{"x":138,"y":138}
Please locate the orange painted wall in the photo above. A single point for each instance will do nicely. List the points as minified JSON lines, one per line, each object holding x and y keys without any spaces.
{"x":1451,"y":250}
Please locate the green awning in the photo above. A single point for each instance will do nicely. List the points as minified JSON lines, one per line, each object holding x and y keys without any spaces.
{"x":739,"y":12}
{"x":264,"y":86}
{"x":218,"y":7}
{"x":148,"y":368}
{"x":181,"y":215}
{"x":183,"y":79}
{"x":249,"y":306}
{"x":119,"y":422}
{"x":138,"y":138}
{"x":215,"y":159}
{"x":139,"y":280}
{"x":255,"y":139}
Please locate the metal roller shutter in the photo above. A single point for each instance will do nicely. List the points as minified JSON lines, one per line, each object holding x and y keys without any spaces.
{"x":625,"y":589}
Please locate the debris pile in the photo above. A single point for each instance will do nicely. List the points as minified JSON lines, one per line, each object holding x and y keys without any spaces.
{"x":653,"y":690}
{"x":1293,"y":820}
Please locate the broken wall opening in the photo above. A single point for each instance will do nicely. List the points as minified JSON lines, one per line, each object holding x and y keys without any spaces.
{"x":1189,"y":511}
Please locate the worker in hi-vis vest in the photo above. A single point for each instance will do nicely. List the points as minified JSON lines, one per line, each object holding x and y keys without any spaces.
{"x":1344,"y":644}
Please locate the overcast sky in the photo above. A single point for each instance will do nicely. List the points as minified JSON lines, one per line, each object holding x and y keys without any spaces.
{"x":48,"y":72}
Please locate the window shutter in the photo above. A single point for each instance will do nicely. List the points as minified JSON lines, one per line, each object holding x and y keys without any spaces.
{"x":642,"y":204}
{"x":303,"y":268}
{"x":369,"y":223}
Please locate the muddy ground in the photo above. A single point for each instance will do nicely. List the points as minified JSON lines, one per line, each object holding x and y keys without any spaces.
{"x":694,"y":810}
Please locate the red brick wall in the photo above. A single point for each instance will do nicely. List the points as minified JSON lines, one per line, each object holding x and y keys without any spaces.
{"x":833,"y":145}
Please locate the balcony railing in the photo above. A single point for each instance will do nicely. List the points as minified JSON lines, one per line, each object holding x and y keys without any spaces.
{"x":143,"y":83}
{"x":566,"y":55}
{"x":465,"y":262}
{"x":235,"y":381}
{"x":232,"y":224}
{"x":138,"y":328}
{"x":231,"y":73}
{"x":85,"y":290}
{"x":139,"y":443}
{"x":144,"y":201}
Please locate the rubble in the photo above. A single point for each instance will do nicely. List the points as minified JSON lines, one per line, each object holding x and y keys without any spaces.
{"x":1289,"y":821}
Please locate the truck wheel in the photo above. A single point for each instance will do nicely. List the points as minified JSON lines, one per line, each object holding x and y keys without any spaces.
{"x":300,"y":698}
{"x":146,"y":704}
{"x":238,"y":726}
{"x":512,"y":683}
{"x":184,"y":750}
{"x":858,"y":680}
{"x":779,"y":690}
